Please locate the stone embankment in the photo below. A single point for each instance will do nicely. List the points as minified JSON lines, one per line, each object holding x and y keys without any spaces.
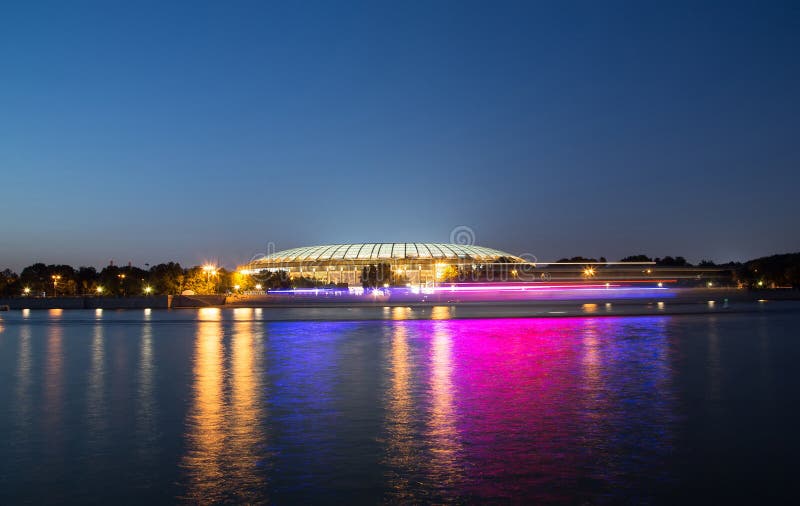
{"x":153,"y":301}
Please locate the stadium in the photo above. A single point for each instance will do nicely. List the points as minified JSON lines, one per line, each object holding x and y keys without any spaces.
{"x":343,"y":263}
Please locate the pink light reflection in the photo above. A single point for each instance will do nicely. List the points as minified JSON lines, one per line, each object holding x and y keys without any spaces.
{"x":541,"y":402}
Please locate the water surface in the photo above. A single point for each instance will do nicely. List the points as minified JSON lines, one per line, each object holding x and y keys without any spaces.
{"x":218,"y":405}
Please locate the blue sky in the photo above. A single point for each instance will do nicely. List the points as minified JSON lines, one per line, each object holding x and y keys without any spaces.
{"x":146,"y":132}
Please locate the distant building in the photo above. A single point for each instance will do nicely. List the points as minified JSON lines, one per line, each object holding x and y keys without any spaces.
{"x":343,"y":263}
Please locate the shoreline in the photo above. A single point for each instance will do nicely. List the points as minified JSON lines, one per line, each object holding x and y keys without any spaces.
{"x":693,"y":302}
{"x":673,"y":296}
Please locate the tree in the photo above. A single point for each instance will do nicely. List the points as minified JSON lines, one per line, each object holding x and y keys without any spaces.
{"x":35,"y":277}
{"x":87,"y":280}
{"x":243,"y":281}
{"x":49,"y":279}
{"x":637,"y":258}
{"x":9,"y":283}
{"x":579,"y":260}
{"x":668,"y":261}
{"x":65,"y":282}
{"x":200,"y":281}
{"x":376,"y":275}
{"x":771,"y":271}
{"x":224,"y":280}
{"x":166,"y":279}
{"x":304,"y":282}
{"x":123,"y":281}
{"x":278,"y":280}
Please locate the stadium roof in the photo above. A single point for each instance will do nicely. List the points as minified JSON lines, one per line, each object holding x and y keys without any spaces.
{"x":387,"y":251}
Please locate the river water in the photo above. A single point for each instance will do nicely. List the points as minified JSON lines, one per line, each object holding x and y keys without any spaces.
{"x":230,"y":405}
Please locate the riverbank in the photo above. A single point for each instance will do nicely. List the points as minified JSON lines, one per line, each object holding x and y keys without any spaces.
{"x":92,"y":302}
{"x":273,"y":307}
{"x":672,"y":296}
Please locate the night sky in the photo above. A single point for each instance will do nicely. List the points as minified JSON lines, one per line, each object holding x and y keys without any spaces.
{"x":195,"y":131}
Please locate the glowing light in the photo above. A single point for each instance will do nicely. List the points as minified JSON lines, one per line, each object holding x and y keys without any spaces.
{"x":99,"y":289}
{"x":660,"y":284}
{"x":709,"y":284}
{"x":148,"y":289}
{"x":386,"y":285}
{"x":660,"y":305}
{"x":236,"y":287}
{"x":588,"y":272}
{"x":26,"y":290}
{"x":258,"y":286}
{"x":760,"y":283}
{"x":512,"y":290}
{"x":210,"y":268}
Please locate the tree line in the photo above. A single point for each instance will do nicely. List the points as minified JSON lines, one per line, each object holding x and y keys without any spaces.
{"x":171,"y":278}
{"x":782,"y":270}
{"x":771,"y":272}
{"x":163,"y":279}
{"x":168,"y":278}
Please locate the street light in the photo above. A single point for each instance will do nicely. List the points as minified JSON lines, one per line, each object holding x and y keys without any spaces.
{"x":55,"y":277}
{"x":148,"y":289}
{"x":26,"y":290}
{"x":99,"y":290}
{"x":211,"y":270}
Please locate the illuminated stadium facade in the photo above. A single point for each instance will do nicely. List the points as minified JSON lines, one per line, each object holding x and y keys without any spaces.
{"x":343,"y":263}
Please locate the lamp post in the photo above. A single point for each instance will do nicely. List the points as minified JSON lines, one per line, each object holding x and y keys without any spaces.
{"x":55,"y":277}
{"x":122,"y":283}
{"x":211,"y":270}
